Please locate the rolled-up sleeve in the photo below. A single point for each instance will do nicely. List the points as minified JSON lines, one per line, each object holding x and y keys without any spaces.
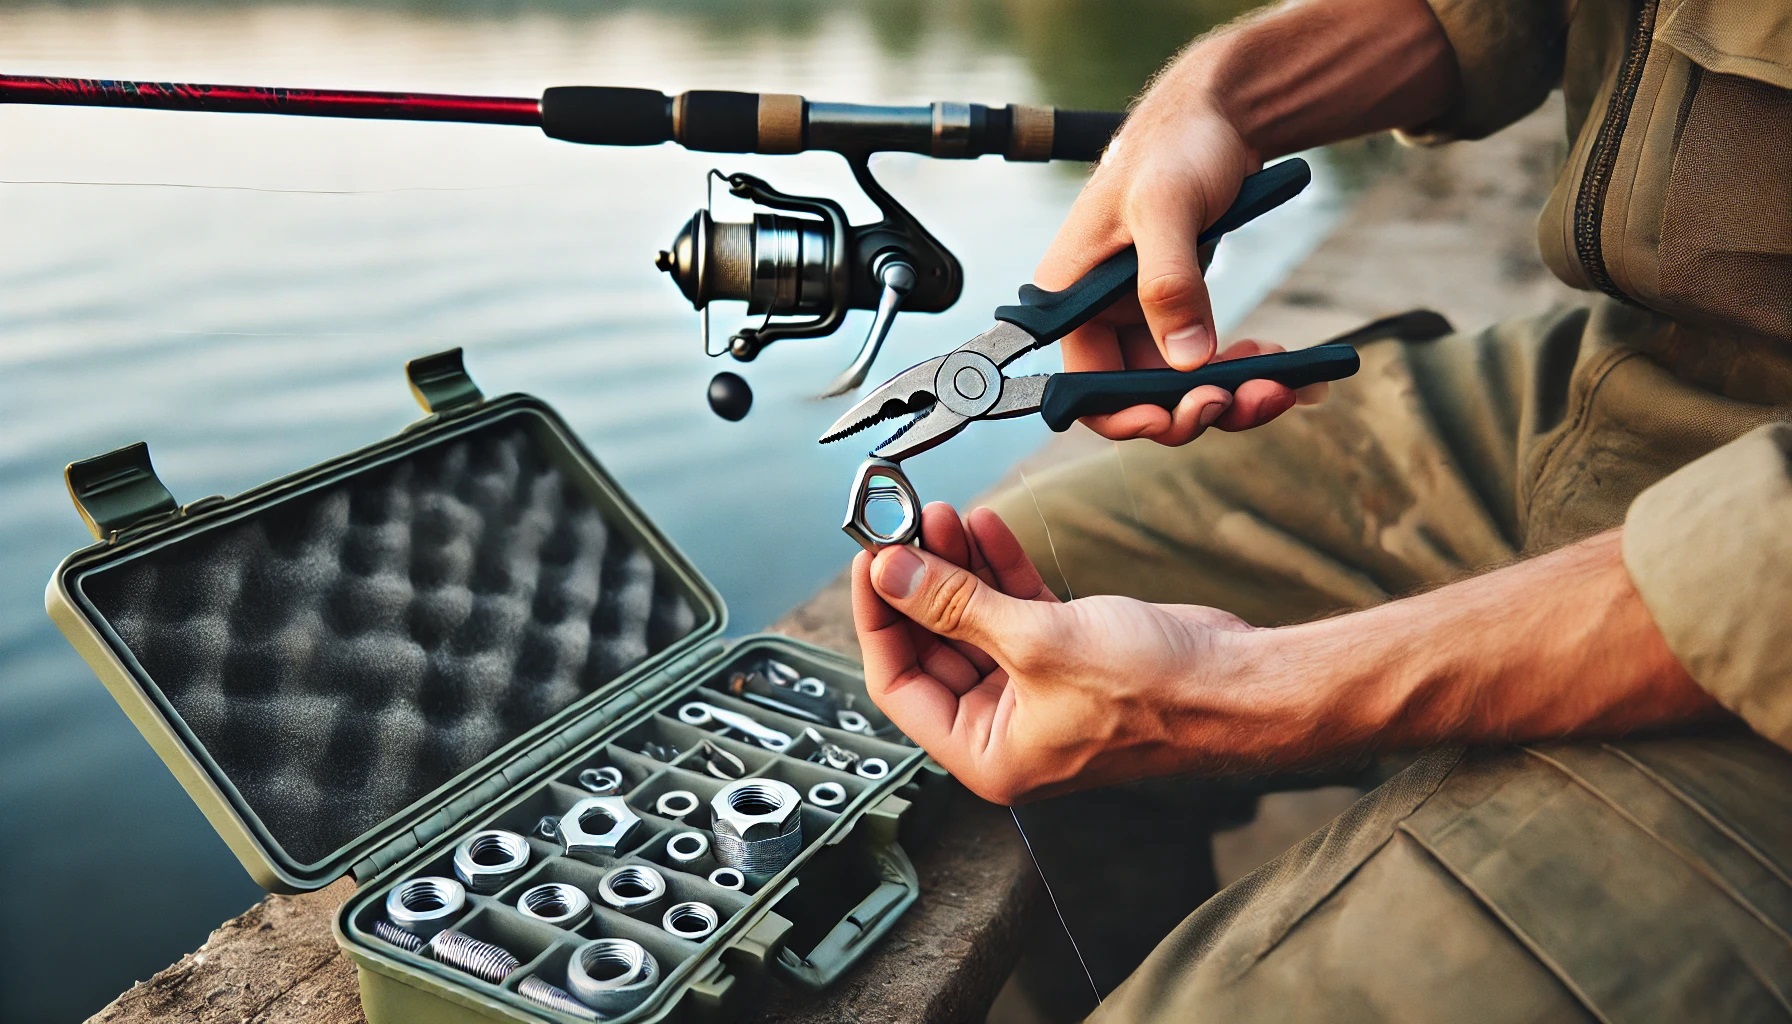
{"x":1710,"y":551}
{"x":1509,"y":54}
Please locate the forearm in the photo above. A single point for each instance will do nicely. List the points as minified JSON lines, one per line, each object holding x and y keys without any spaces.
{"x":1555,"y":646}
{"x":1308,"y":73}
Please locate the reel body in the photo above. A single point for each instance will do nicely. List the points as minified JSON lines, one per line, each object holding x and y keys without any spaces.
{"x":800,"y":265}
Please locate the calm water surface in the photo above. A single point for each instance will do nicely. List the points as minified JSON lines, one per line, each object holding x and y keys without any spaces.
{"x":242,"y":292}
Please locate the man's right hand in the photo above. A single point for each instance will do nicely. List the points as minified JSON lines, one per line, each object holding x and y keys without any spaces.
{"x":1173,"y":169}
{"x":1297,"y":76}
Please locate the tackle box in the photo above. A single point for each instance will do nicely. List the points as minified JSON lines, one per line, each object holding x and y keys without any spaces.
{"x":353,"y":668}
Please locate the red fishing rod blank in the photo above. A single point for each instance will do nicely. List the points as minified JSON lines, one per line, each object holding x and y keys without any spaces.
{"x":250,"y":99}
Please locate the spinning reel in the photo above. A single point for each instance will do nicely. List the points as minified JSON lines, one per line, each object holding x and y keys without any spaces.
{"x":802,"y":269}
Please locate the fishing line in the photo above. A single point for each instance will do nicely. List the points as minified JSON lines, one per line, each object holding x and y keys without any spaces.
{"x":1052,"y":544}
{"x":1026,"y":841}
{"x":1125,"y":485}
{"x":291,"y":334}
{"x":1069,"y":592}
{"x":256,"y":188}
{"x":1053,"y":897}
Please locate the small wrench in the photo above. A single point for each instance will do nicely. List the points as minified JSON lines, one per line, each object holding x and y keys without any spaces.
{"x":699,"y":713}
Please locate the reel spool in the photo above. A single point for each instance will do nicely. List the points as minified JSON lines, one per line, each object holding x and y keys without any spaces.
{"x":800,"y":266}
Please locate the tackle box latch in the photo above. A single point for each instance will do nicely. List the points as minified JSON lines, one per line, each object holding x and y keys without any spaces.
{"x":119,"y":490}
{"x":441,"y":384}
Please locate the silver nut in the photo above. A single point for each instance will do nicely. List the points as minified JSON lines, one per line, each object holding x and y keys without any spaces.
{"x":809,"y":686}
{"x":677,"y":803}
{"x":632,"y":887}
{"x":490,"y":860}
{"x":691,"y":920}
{"x":597,"y":824}
{"x":756,"y":809}
{"x":894,"y":491}
{"x":872,"y":768}
{"x":612,"y":976}
{"x":426,"y":905}
{"x":556,"y":903}
{"x":852,"y":721}
{"x":687,"y":847}
{"x":602,"y":781}
{"x":548,"y":828}
{"x":728,"y":878}
{"x":827,"y":794}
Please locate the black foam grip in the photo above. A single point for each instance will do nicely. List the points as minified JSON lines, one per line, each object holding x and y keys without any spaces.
{"x":605,"y":116}
{"x":1071,"y":396}
{"x":1083,"y":134}
{"x":719,"y":122}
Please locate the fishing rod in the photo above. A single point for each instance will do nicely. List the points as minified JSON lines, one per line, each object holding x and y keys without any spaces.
{"x":798,"y":264}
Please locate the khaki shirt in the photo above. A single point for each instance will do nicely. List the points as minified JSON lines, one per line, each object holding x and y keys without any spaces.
{"x":1677,"y":197}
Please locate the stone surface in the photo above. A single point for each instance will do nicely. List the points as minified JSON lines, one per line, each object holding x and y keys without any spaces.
{"x":1451,"y":229}
{"x":278,"y":962}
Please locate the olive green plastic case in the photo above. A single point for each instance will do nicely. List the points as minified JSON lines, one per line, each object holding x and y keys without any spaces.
{"x":195,"y":616}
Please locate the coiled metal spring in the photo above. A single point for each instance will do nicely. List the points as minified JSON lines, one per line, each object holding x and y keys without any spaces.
{"x":389,"y":932}
{"x":553,"y":997}
{"x":483,"y":960}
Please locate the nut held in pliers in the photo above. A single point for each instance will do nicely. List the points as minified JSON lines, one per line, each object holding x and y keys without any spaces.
{"x":881,"y":487}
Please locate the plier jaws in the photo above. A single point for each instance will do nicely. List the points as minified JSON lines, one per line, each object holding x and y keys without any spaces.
{"x":947,"y":393}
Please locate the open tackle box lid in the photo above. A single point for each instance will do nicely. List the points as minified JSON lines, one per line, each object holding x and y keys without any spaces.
{"x":340,"y":664}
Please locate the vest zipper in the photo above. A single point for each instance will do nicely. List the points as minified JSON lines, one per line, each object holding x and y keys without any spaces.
{"x":1589,"y":205}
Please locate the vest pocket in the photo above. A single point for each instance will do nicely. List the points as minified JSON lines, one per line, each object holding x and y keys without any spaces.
{"x":1725,"y":249}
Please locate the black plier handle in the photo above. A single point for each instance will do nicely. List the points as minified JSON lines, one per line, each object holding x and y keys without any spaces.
{"x":1049,"y":316}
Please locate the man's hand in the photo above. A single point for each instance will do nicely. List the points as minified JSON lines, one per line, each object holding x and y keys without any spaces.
{"x":1295,"y":77}
{"x":1173,"y":169}
{"x":1021,"y":696}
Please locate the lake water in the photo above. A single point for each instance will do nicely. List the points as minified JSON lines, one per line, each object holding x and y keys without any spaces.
{"x":242,"y":292}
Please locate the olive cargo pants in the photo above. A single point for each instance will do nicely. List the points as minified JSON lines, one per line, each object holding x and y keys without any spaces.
{"x":1649,"y":879}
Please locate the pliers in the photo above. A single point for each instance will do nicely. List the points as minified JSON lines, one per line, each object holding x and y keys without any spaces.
{"x":947,"y":393}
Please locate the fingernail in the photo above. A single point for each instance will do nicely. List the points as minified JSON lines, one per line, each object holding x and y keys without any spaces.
{"x":899,"y":572}
{"x":1189,"y":345}
{"x":1210,"y":412}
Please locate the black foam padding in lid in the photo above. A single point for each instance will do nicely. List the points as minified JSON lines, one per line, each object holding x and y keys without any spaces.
{"x":345,"y":652}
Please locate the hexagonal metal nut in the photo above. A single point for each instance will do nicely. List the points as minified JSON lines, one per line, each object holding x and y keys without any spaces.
{"x":598,"y":824}
{"x":866,"y":494}
{"x":756,"y":809}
